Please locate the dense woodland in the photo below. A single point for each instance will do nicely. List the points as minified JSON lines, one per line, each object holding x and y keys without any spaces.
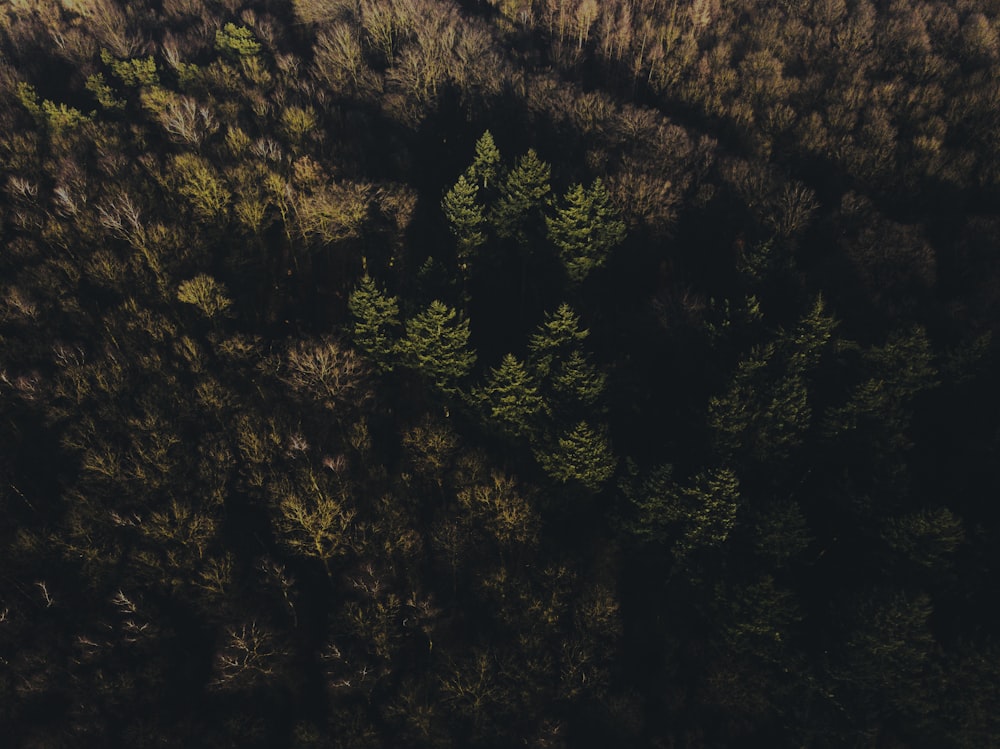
{"x":547,"y":373}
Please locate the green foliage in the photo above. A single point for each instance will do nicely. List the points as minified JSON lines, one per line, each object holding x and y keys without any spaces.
{"x":762,"y":414}
{"x":765,"y":412}
{"x":236,"y":41}
{"x":759,"y":618}
{"x":376,"y":323}
{"x":485,"y":167}
{"x":581,"y":456}
{"x":688,"y":518}
{"x":556,"y":338}
{"x":58,"y":118}
{"x":576,"y":383}
{"x":61,"y":117}
{"x":905,"y":363}
{"x":465,"y":219}
{"x":218,"y":500}
{"x":891,"y":646}
{"x":524,"y":194}
{"x":649,"y":497}
{"x":967,"y":359}
{"x":132,"y":73}
{"x":810,"y":338}
{"x":728,"y":319}
{"x":104,"y":94}
{"x":780,"y":531}
{"x":881,"y":405}
{"x":584,"y":229}
{"x":436,"y":345}
{"x":756,"y":261}
{"x":928,"y":538}
{"x":707,"y":509}
{"x":569,"y":382}
{"x":28,"y":97}
{"x":511,"y":399}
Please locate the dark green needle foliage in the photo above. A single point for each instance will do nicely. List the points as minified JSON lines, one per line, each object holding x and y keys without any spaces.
{"x":556,"y":338}
{"x":525,"y":194}
{"x":436,"y":346}
{"x":511,"y":399}
{"x":376,"y":323}
{"x":580,"y":456}
{"x":465,"y":220}
{"x":696,"y":515}
{"x":485,"y":168}
{"x":585,"y":228}
{"x":569,"y":381}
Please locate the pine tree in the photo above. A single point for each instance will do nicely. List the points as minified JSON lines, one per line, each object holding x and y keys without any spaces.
{"x":882,"y":405}
{"x":376,"y":323}
{"x":927,"y":539}
{"x":437,"y":345}
{"x":886,"y":658}
{"x":575,"y":381}
{"x":766,"y":410}
{"x":582,"y":456}
{"x":485,"y":167}
{"x":556,"y":337}
{"x":585,"y":229}
{"x":707,"y":510}
{"x":236,"y":41}
{"x":810,"y":337}
{"x":568,"y":380}
{"x":465,"y":219}
{"x":511,"y":399}
{"x":764,"y":413}
{"x":699,"y":515}
{"x":523,"y":194}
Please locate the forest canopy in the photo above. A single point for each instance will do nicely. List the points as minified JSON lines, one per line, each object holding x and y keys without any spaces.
{"x":453,"y":373}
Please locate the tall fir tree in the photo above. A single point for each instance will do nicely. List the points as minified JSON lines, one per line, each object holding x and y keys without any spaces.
{"x":556,"y":337}
{"x":511,"y":399}
{"x":485,"y":167}
{"x":698,"y":515}
{"x":569,"y":382}
{"x":376,"y":323}
{"x":466,"y":222}
{"x":524,"y":195}
{"x":584,"y":229}
{"x":580,"y":456}
{"x":437,"y":346}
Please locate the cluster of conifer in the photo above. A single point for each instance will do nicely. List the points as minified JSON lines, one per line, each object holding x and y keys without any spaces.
{"x":540,"y":373}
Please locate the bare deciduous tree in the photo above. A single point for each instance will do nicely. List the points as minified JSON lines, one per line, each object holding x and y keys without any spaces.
{"x":182,"y":117}
{"x":249,"y":656}
{"x":314,"y":518}
{"x":325,"y":371}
